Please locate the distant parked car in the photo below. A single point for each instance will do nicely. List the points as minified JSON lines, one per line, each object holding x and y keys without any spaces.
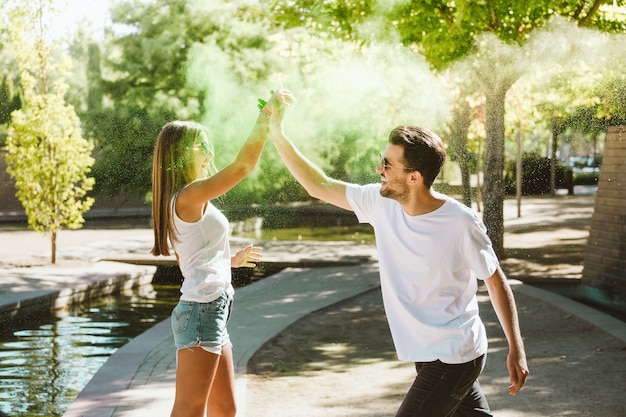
{"x":584,"y":164}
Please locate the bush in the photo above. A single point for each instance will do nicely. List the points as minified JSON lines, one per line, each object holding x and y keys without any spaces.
{"x":535,"y":175}
{"x":586,"y":178}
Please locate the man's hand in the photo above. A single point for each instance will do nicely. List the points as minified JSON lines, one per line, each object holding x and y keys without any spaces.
{"x":518,"y":371}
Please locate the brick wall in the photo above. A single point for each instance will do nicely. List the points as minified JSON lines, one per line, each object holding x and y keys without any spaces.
{"x":605,"y":255}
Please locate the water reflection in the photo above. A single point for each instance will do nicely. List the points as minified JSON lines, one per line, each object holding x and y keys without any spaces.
{"x":43,"y":368}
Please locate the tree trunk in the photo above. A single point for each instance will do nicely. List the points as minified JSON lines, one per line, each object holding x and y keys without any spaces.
{"x":556,"y":130}
{"x":493,"y":216}
{"x":53,"y":238}
{"x":479,"y":170}
{"x":465,"y":180}
{"x":458,"y":132}
{"x":518,"y":171}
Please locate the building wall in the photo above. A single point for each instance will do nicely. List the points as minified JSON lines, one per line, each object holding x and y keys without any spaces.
{"x":605,"y":255}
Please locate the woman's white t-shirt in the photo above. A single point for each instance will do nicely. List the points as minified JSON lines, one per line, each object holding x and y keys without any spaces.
{"x":203,"y":251}
{"x":428,"y":269}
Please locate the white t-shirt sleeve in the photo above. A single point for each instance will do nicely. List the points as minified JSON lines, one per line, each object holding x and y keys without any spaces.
{"x":362,"y":199}
{"x":477,"y":247}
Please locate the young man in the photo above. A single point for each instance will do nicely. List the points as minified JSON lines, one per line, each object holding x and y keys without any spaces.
{"x":432,"y":251}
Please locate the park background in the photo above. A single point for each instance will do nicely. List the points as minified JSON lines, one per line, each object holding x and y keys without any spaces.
{"x":522,"y":94}
{"x":534,"y":88}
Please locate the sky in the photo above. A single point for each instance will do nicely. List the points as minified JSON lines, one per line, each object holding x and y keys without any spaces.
{"x":94,"y":12}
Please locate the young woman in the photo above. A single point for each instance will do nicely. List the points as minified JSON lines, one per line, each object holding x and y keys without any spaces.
{"x":184,"y":182}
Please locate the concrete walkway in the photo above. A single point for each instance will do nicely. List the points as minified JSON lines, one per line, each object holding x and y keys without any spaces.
{"x":138,"y":380}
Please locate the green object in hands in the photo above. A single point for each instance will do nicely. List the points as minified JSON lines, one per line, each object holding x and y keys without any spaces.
{"x":262,"y":103}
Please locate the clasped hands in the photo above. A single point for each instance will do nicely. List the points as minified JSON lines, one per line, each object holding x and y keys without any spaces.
{"x":277,"y":102}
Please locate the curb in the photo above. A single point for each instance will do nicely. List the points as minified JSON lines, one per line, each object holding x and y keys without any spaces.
{"x":70,"y":285}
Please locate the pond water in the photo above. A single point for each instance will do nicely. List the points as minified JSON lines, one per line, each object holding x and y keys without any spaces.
{"x":44,"y":367}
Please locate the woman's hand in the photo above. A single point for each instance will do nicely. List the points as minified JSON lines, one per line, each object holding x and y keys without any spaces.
{"x":247,"y":257}
{"x":278,"y":101}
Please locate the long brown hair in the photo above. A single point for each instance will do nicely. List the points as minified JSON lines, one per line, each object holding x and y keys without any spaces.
{"x":172,"y":170}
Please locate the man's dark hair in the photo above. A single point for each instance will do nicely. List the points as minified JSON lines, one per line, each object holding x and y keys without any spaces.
{"x":423,"y":150}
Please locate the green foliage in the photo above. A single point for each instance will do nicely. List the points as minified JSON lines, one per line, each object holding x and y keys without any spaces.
{"x":49,"y":161}
{"x":346,"y":158}
{"x":586,"y":178}
{"x":270,"y":184}
{"x":9,"y":80}
{"x":85,"y":92}
{"x":46,"y":153}
{"x":535,"y":175}
{"x":340,"y":18}
{"x":124,"y":142}
{"x":489,"y":34}
{"x":612,"y":90}
{"x":147,"y":64}
{"x":584,"y":121}
{"x":171,"y":60}
{"x":9,"y":102}
{"x":350,"y":159}
{"x":445,"y":31}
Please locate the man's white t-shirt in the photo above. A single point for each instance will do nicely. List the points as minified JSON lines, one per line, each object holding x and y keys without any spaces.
{"x":429,"y":265}
{"x":203,"y":251}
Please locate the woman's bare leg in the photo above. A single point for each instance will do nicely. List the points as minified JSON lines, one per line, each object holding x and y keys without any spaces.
{"x":195,"y":374}
{"x":222,"y":402}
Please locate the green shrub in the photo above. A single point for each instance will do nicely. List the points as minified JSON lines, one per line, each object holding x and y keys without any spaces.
{"x":586,"y":178}
{"x":535,"y":175}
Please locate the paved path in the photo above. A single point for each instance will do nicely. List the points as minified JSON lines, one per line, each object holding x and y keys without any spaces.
{"x":261,"y":311}
{"x":138,"y":379}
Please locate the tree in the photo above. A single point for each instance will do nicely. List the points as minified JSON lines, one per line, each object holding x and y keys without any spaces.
{"x":458,"y":128}
{"x":46,"y":154}
{"x":85,"y":78}
{"x":612,"y":91}
{"x":9,"y":94}
{"x":489,"y":33}
{"x":171,"y":59}
{"x":491,"y":37}
{"x":9,"y":100}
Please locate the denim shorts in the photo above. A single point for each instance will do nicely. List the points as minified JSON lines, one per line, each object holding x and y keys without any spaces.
{"x":202,"y":324}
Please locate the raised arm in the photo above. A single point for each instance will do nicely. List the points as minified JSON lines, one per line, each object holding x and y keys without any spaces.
{"x":206,"y":189}
{"x":312,"y":178}
{"x":192,"y":198}
{"x":503,"y":303}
